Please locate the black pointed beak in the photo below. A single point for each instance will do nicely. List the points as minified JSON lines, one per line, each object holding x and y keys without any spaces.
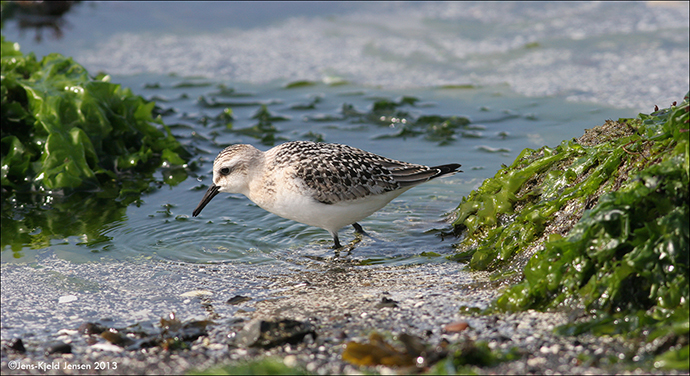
{"x":208,"y":196}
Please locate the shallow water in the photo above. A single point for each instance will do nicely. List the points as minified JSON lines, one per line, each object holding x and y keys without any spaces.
{"x":233,"y":229}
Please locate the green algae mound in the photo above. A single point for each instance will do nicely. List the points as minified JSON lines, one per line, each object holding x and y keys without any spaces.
{"x":76,"y":150}
{"x":598,"y":224}
{"x":62,"y":129}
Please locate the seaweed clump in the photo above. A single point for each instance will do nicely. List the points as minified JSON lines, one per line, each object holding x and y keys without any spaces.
{"x":62,"y":129}
{"x":76,"y":151}
{"x":602,"y":224}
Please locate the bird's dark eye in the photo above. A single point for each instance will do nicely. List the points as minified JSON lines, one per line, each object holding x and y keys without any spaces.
{"x":225,"y":170}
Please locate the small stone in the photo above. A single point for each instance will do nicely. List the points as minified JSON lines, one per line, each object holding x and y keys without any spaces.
{"x":554,"y":349}
{"x":456,"y":327}
{"x":67,"y":299}
{"x":18,"y":346}
{"x":267,"y":334}
{"x":238,"y":299}
{"x":290,"y":361}
{"x":58,"y":348}
{"x":107,"y":347}
{"x":114,"y":336}
{"x":67,"y":332}
{"x":217,"y":346}
{"x":91,"y":328}
{"x":534,"y":362}
{"x":385,"y":302}
{"x":196,"y":293}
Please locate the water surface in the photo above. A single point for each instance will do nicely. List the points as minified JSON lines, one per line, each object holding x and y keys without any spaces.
{"x":232,"y":228}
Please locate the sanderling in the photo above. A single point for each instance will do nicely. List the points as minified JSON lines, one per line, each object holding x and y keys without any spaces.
{"x":323,"y":185}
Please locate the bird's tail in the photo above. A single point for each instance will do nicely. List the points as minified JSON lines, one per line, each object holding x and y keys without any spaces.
{"x":414,"y":175}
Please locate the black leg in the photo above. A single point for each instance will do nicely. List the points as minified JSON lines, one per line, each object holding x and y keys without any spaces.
{"x":336,"y":241}
{"x":358,"y":228}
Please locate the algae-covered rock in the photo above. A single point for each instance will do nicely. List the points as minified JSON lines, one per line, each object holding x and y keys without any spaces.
{"x":543,"y":192}
{"x":603,"y":222}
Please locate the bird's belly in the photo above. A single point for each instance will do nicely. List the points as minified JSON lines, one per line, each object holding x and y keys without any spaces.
{"x":331,"y":217}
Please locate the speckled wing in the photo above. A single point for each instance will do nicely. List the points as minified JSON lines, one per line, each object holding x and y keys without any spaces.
{"x":334,"y":172}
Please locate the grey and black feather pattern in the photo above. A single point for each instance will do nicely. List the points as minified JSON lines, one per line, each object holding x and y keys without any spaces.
{"x":335,"y":172}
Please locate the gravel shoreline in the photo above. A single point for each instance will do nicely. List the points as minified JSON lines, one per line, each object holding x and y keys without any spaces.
{"x":344,"y":303}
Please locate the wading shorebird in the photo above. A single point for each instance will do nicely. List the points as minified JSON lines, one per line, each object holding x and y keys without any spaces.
{"x":323,"y":185}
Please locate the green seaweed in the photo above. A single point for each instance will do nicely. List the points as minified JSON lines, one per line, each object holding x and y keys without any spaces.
{"x":388,"y":114}
{"x":315,"y":99}
{"x":299,"y":84}
{"x":265,"y":366}
{"x":491,"y":238}
{"x":469,"y":357}
{"x":263,"y":130}
{"x":225,"y":91}
{"x":480,"y":354}
{"x":190,"y":84}
{"x":458,"y":86}
{"x":62,"y":129}
{"x":624,"y":187}
{"x":76,"y":151}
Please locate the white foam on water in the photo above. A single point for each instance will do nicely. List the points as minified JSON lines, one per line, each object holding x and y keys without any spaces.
{"x":626,"y":55}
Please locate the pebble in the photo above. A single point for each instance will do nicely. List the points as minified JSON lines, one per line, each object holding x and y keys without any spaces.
{"x":67,"y":299}
{"x":107,"y":347}
{"x":456,"y":327}
{"x":290,"y":361}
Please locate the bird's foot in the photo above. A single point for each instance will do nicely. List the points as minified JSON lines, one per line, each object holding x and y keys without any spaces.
{"x":359,"y":229}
